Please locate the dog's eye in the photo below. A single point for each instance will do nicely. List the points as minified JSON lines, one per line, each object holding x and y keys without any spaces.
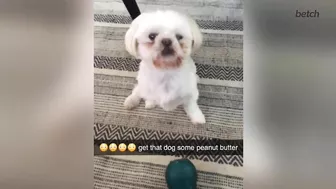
{"x":179,"y":37}
{"x":152,"y":36}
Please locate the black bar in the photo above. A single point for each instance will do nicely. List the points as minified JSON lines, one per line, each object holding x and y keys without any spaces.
{"x":132,"y":8}
{"x":211,"y":147}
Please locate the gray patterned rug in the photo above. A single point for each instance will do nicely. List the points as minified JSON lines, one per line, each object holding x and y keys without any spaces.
{"x":220,"y":66}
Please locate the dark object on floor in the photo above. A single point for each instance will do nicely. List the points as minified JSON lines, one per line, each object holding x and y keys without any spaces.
{"x":181,"y":174}
{"x":132,"y":8}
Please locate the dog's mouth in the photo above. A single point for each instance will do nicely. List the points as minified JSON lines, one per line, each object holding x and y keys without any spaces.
{"x":168,"y":58}
{"x":167,"y":52}
{"x":167,"y":63}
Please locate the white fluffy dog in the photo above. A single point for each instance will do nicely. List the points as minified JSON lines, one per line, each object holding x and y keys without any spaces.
{"x":164,"y":40}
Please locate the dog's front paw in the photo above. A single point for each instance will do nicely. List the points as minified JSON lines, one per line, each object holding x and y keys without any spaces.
{"x":131,"y":102}
{"x":149,"y":104}
{"x":169,"y":107}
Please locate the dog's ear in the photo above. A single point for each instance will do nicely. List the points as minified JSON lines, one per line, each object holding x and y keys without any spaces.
{"x":197,"y":38}
{"x":130,"y":40}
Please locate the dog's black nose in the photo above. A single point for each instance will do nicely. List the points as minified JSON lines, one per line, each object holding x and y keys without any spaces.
{"x":166,"y":42}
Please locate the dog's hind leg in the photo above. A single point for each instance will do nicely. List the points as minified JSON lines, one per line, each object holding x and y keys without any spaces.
{"x":193,"y":111}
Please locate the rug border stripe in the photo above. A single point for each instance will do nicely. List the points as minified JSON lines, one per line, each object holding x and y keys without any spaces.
{"x":204,"y":81}
{"x":224,"y":169}
{"x":211,"y":31}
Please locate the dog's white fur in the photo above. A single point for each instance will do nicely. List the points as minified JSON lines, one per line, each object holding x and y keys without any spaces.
{"x":165,"y":80}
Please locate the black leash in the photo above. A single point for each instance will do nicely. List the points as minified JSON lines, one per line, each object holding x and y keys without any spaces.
{"x":132,"y":8}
